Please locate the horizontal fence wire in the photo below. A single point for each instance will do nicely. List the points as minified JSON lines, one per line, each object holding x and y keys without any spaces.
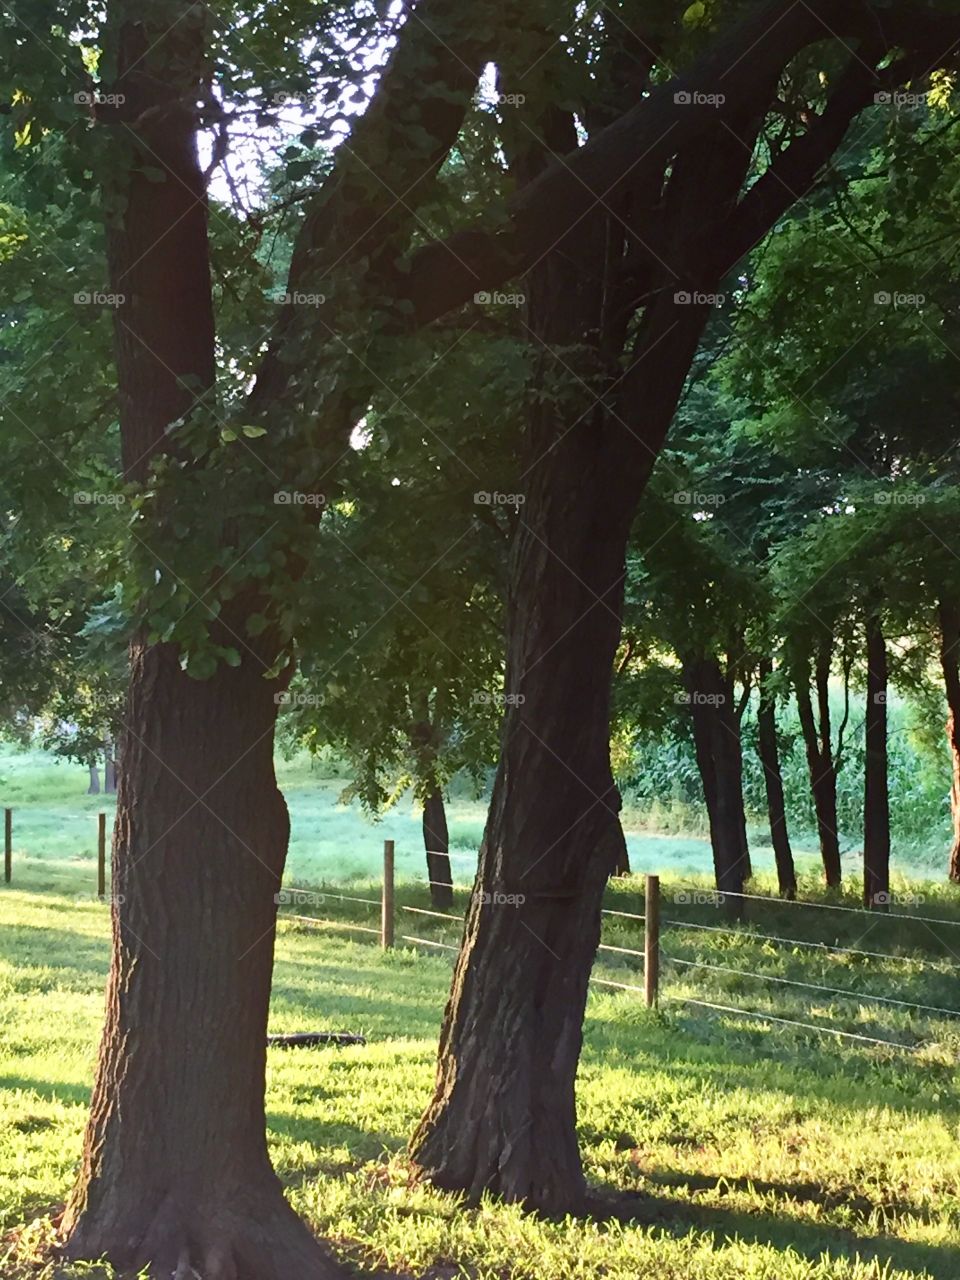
{"x":791,"y":1022}
{"x":811,"y":986}
{"x":321,"y":895}
{"x":437,"y":915}
{"x":798,"y":942}
{"x":622,"y":986}
{"x":623,"y":951}
{"x":693,"y":1002}
{"x":830,"y":906}
{"x":332,"y":924}
{"x":427,"y":942}
{"x":443,"y":884}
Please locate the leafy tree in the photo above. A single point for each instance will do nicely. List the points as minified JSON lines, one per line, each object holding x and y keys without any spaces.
{"x":216,"y":419}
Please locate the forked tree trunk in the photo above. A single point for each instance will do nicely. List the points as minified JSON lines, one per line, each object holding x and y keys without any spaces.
{"x":436,"y":841}
{"x":950,"y":664}
{"x":503,"y":1115}
{"x":823,"y":781}
{"x":175,"y":1166}
{"x":876,"y":804}
{"x":769,"y":752}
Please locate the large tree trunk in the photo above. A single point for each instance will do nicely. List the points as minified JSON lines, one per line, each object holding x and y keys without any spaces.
{"x":769,"y":751}
{"x":823,"y":779}
{"x":175,"y":1170}
{"x":950,"y":664}
{"x":876,"y":805}
{"x":503,"y":1117}
{"x":436,"y":841}
{"x":175,"y":1166}
{"x":94,"y":788}
{"x":717,"y":743}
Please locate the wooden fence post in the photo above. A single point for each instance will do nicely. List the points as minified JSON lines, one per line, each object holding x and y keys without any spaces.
{"x":101,"y":855}
{"x":387,"y":912}
{"x":651,"y":943}
{"x":7,"y":844}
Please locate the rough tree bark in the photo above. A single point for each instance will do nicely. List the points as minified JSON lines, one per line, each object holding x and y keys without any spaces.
{"x":175,"y":1172}
{"x":503,"y":1119}
{"x":823,"y":774}
{"x":436,"y":842}
{"x":876,"y":803}
{"x":769,"y":751}
{"x":949,"y":616}
{"x":503,"y":1116}
{"x":175,"y":1166}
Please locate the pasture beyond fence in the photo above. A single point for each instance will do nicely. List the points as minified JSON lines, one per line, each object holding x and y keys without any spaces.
{"x":652,"y":958}
{"x":101,"y":851}
{"x":649,"y":960}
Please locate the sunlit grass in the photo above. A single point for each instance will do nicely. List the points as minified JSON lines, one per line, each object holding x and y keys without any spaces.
{"x":757,"y":1150}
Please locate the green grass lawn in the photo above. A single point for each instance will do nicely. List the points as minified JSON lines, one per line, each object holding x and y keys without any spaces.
{"x":759,"y":1152}
{"x":753,"y":1149}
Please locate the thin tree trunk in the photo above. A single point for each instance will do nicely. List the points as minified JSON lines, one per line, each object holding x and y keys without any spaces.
{"x":950,"y":664}
{"x":769,"y":751}
{"x":436,"y":841}
{"x":823,"y":781}
{"x":731,"y":723}
{"x":109,"y":768}
{"x":94,"y":788}
{"x":717,"y":746}
{"x":876,"y":805}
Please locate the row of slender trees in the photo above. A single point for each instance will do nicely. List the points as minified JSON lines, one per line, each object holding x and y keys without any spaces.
{"x":644,"y":155}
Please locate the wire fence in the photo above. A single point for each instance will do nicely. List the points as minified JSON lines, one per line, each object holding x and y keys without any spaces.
{"x":638,"y":970}
{"x":661,"y":974}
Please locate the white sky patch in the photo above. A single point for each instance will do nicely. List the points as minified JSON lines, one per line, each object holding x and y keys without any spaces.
{"x":255,"y":149}
{"x":361,"y":435}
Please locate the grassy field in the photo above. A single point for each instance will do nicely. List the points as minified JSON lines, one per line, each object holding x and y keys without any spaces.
{"x":739,"y":1148}
{"x":55,"y":829}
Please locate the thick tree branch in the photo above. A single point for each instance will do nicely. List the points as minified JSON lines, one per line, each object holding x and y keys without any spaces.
{"x":738,"y":70}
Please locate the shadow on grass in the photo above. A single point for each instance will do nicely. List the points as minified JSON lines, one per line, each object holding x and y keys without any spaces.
{"x":50,"y":1091}
{"x":811,"y":1241}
